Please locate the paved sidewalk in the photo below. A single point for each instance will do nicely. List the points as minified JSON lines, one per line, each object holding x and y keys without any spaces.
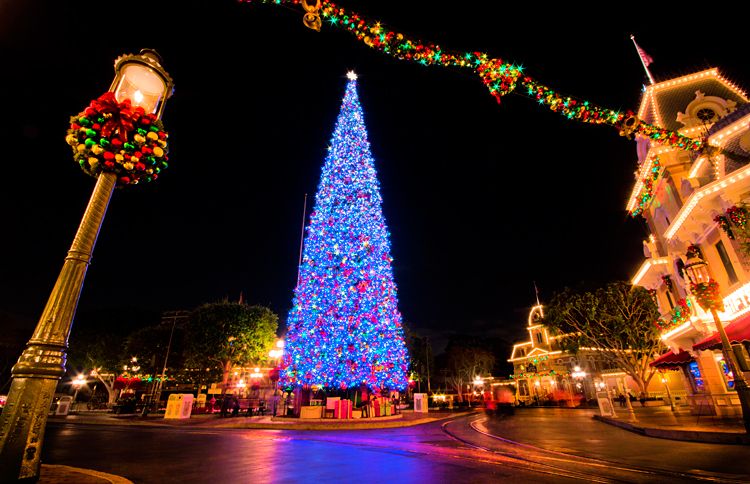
{"x":663,"y":423}
{"x":406,"y":419}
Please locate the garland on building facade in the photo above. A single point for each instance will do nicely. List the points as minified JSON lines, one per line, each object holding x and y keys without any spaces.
{"x":680,"y":314}
{"x":647,"y":192}
{"x":723,"y":222}
{"x":115,"y":137}
{"x":734,"y":216}
{"x":738,"y":216}
{"x":537,"y":374}
{"x":499,"y":77}
{"x":693,"y":251}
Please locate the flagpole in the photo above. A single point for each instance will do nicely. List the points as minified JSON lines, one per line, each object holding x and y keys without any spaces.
{"x":643,"y":61}
{"x":301,"y":238}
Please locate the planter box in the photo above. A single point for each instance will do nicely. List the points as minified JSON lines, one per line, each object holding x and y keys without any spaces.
{"x":311,"y":412}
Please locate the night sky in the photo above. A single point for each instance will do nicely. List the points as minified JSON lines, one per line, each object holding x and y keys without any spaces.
{"x":481,"y":199}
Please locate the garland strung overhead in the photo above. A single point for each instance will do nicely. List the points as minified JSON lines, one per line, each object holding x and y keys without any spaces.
{"x":500,"y":77}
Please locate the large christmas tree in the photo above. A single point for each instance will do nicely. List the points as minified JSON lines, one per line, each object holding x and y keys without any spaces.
{"x":344,"y":328}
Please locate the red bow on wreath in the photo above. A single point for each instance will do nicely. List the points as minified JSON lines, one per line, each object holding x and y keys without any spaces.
{"x":123,"y":116}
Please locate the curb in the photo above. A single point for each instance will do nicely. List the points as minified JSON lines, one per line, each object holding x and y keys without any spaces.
{"x":326,"y":426}
{"x":707,"y":437}
{"x":313,"y":424}
{"x":71,"y":472}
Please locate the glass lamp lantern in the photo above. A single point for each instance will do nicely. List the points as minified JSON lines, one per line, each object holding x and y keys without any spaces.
{"x":696,"y":270}
{"x":142,"y":79}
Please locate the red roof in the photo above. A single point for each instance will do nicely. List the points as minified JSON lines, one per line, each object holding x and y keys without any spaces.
{"x":672,"y":360}
{"x":737,"y":332}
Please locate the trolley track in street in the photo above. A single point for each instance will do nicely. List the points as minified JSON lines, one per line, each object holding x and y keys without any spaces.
{"x":559,"y":463}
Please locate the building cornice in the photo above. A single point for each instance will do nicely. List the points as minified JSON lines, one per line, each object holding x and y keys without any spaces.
{"x":701,"y":194}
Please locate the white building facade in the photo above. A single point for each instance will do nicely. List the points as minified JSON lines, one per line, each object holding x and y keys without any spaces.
{"x":689,"y":202}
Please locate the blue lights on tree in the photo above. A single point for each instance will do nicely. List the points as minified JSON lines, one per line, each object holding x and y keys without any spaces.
{"x":344,"y":328}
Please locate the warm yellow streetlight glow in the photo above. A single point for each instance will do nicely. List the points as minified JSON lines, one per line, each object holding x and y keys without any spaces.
{"x":142,"y":85}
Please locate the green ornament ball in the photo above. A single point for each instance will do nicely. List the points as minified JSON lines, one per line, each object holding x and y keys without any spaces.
{"x":142,"y":131}
{"x":103,"y":142}
{"x":89,"y":143}
{"x":84,"y":121}
{"x":90,"y":132}
{"x":129,"y":146}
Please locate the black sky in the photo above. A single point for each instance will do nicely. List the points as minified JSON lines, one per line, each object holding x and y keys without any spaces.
{"x":481,"y":199}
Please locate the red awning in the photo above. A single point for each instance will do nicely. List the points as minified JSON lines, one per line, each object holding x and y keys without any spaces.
{"x":672,"y":360}
{"x":737,"y":332}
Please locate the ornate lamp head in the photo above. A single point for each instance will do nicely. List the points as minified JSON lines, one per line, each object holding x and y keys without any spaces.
{"x":142,"y":79}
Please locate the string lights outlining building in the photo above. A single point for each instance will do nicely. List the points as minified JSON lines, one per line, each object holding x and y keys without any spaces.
{"x":692,"y":204}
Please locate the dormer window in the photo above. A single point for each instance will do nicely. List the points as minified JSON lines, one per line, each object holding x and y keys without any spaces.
{"x":705,"y":110}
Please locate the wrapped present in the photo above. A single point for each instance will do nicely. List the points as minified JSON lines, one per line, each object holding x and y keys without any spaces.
{"x":343,"y":409}
{"x":388,"y":408}
{"x":375,"y":408}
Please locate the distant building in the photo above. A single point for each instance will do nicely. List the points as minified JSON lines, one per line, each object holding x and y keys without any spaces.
{"x":682,"y":197}
{"x":545,"y":373}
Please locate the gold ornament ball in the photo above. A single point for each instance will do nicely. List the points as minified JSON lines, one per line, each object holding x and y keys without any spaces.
{"x":128,"y":166}
{"x":152,"y":136}
{"x":158,"y":152}
{"x":139,"y":138}
{"x":97,"y":150}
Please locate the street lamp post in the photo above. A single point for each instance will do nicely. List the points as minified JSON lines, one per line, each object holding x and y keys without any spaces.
{"x":160,"y":383}
{"x":706,"y":291}
{"x":579,"y":375}
{"x":141,"y":80}
{"x":78,"y":383}
{"x":276,"y":354}
{"x":665,"y":381}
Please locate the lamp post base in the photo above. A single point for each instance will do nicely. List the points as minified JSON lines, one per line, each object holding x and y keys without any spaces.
{"x":23,"y":423}
{"x":42,"y":363}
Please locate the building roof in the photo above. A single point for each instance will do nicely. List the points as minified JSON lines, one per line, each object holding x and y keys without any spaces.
{"x":730,"y":118}
{"x":662,"y":102}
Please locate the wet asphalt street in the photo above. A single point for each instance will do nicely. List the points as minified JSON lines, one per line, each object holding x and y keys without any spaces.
{"x":462,"y":450}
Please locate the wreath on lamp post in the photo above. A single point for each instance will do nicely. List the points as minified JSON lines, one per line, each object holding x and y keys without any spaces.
{"x":115,"y":137}
{"x":708,"y":295}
